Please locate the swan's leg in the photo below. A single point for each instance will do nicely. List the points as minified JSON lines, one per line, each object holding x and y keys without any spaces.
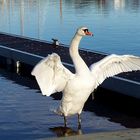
{"x":79,"y":121}
{"x":65,"y":121}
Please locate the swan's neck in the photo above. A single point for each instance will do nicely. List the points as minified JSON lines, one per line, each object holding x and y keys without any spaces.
{"x":80,"y":65}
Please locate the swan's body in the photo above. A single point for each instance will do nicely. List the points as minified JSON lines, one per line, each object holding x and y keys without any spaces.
{"x":53,"y":77}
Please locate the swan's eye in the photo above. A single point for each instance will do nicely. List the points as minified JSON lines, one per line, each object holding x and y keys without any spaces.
{"x":85,"y":30}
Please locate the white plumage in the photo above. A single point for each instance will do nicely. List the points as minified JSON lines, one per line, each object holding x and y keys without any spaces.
{"x":53,"y":77}
{"x":112,"y":65}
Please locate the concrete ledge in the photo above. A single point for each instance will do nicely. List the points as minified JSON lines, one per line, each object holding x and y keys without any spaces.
{"x":117,"y":84}
{"x":18,"y":55}
{"x":123,"y":86}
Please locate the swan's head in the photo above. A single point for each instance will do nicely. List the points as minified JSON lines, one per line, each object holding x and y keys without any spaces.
{"x":83,"y":31}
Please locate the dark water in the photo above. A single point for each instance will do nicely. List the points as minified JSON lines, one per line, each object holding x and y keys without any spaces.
{"x":115,"y":23}
{"x":26,"y":114}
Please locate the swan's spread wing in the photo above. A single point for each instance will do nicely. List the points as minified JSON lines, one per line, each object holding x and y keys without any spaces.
{"x":51,"y":75}
{"x":112,"y":65}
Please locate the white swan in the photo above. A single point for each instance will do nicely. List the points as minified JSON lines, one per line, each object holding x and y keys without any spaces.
{"x":76,"y":87}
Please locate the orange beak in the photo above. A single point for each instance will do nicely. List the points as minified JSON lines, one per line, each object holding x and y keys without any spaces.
{"x":89,"y":33}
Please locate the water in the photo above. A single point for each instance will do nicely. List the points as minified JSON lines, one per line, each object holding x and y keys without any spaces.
{"x":115,"y":23}
{"x":25,"y":114}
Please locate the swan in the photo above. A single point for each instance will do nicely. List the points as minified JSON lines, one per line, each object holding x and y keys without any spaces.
{"x":52,"y":76}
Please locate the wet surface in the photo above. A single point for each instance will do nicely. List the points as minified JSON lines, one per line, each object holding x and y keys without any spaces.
{"x":115,"y":23}
{"x":26,"y":114}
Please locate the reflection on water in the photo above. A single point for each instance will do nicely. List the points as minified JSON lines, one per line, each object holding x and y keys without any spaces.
{"x":115,"y":22}
{"x":25,"y":114}
{"x":61,"y":131}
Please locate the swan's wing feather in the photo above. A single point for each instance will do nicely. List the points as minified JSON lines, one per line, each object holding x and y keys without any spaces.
{"x":51,"y":75}
{"x":112,"y":65}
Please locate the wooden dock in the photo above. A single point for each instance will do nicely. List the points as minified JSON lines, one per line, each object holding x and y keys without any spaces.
{"x":29,"y":51}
